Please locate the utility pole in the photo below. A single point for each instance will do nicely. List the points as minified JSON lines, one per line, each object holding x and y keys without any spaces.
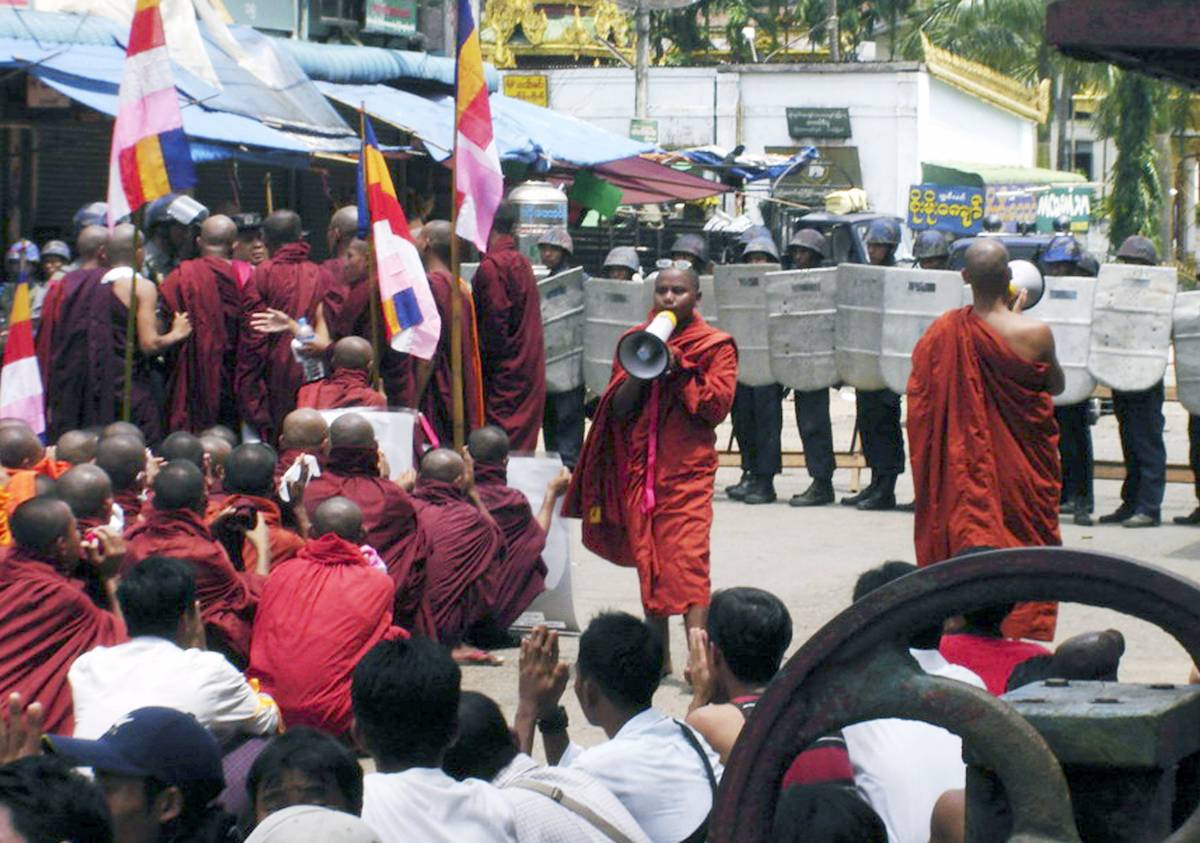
{"x":831,"y":25}
{"x":641,"y":96}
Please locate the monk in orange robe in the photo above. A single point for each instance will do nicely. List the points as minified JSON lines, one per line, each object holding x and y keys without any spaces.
{"x":24,"y":460}
{"x":249,"y":492}
{"x":981,"y":424}
{"x":174,"y":526}
{"x":349,"y":385}
{"x":644,"y":482}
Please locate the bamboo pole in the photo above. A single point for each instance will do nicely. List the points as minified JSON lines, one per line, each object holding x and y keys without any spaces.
{"x":456,"y":303}
{"x":372,"y":274}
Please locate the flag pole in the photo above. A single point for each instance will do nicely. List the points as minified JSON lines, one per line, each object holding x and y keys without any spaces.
{"x":372,"y":275}
{"x":131,"y":321}
{"x":456,"y":303}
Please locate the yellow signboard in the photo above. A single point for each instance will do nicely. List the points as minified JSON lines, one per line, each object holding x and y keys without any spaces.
{"x":530,"y":87}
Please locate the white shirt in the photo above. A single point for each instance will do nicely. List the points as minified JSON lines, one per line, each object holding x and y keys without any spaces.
{"x":424,"y":804}
{"x":901,"y":767}
{"x":108,"y":683}
{"x":656,"y":773}
{"x":542,"y":820}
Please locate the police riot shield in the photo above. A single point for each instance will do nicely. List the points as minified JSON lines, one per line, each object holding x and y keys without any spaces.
{"x":1187,"y":350}
{"x":708,"y":300}
{"x":562,"y":327}
{"x":858,"y":330}
{"x":1067,"y":308}
{"x":913,"y":299}
{"x":611,"y":308}
{"x":741,"y":291}
{"x":1131,"y":325}
{"x":801,"y":317}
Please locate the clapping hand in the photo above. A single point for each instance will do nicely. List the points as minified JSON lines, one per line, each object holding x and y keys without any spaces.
{"x":542,"y":677}
{"x":21,"y":730}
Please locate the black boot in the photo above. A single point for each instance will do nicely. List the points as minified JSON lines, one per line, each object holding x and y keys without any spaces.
{"x":819,"y":493}
{"x":760,"y":490}
{"x":738,"y":490}
{"x":862,"y":495}
{"x":883,"y":498}
{"x":1190,"y":520}
{"x":1082,"y":518}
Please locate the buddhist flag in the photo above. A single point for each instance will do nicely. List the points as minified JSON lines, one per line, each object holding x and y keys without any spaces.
{"x":478,"y":181}
{"x":150,"y":156}
{"x":409,"y":311}
{"x":20,"y":380}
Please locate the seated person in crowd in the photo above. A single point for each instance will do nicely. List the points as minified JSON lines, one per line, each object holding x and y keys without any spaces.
{"x":182,"y":445}
{"x":551,"y":804}
{"x":304,"y":767}
{"x":164,"y":663}
{"x":319,"y":613}
{"x":45,"y":799}
{"x":825,"y":812}
{"x":1087,"y":657}
{"x":309,"y":823}
{"x":77,"y":446}
{"x":981,"y":647}
{"x":304,"y":437}
{"x":123,"y":458}
{"x":249,"y":475}
{"x":216,"y":452}
{"x":406,"y":695}
{"x":664,"y":774}
{"x":47,"y":620}
{"x":349,"y":385}
{"x":160,"y":772}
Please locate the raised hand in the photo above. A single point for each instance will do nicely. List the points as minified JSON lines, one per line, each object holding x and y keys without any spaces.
{"x":542,"y":677}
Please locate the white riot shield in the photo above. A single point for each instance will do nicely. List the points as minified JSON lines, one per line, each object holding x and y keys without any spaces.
{"x":708,"y":299}
{"x":562,"y":327}
{"x":1131,"y":325}
{"x":801,"y":320}
{"x":913,"y":299}
{"x":741,"y":291}
{"x":858,"y":332}
{"x":1187,"y":350}
{"x":1067,"y":309}
{"x":611,"y":308}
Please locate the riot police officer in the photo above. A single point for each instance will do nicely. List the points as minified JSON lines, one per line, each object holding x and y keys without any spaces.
{"x":557,"y":249}
{"x":171,"y":223}
{"x":622,"y":264}
{"x":931,"y":251}
{"x":1061,"y":257}
{"x":1140,"y":422}
{"x":691,"y":248}
{"x":562,"y":417}
{"x":808,"y":249}
{"x":878,"y":411}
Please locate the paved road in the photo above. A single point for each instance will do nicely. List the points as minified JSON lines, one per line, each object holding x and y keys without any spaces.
{"x":810,"y":558}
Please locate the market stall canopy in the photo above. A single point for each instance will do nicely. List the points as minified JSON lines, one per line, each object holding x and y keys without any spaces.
{"x":645,"y":182}
{"x":982,"y":175}
{"x":743,"y":166}
{"x":1158,"y":37}
{"x":353,"y":64}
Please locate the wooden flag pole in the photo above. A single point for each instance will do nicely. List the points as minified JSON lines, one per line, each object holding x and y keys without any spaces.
{"x":456,"y":303}
{"x":372,"y":274}
{"x":131,"y":321}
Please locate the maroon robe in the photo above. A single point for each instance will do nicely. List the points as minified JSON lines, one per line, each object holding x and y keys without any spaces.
{"x":466,"y":561}
{"x":344,"y":388}
{"x":51,"y":311}
{"x":284,"y":543}
{"x":287,"y":456}
{"x":200,"y":390}
{"x":85,"y":385}
{"x":348,"y":314}
{"x":511,"y":349}
{"x":436,"y":402}
{"x":524,"y":570}
{"x":389,"y":519}
{"x":47,"y":622}
{"x":227,"y":598}
{"x":131,"y":503}
{"x":268,"y":376}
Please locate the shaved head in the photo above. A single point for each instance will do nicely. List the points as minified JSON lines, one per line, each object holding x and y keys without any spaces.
{"x":353,"y":430}
{"x":217,"y":450}
{"x":19,"y":447}
{"x":437,"y":234}
{"x":344,"y":222}
{"x":250,"y":470}
{"x":179,"y":485}
{"x":488,"y":445}
{"x":123,"y":245}
{"x":986,"y":268}
{"x":282,"y":227}
{"x":87,"y":490}
{"x":76,"y":447}
{"x":218,"y":233}
{"x":123,"y":428}
{"x":39,"y":523}
{"x":123,"y":459}
{"x":340,"y":516}
{"x":223,"y":432}
{"x":305,"y":429}
{"x":182,"y":445}
{"x":442,"y":464}
{"x":352,"y":353}
{"x":91,"y":241}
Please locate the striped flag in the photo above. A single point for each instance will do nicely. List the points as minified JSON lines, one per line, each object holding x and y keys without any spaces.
{"x":478,"y":181}
{"x":409,"y":311}
{"x":21,"y":394}
{"x":150,"y":156}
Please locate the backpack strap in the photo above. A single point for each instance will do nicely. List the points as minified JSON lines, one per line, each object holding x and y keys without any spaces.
{"x":701,"y":833}
{"x":574,"y":806}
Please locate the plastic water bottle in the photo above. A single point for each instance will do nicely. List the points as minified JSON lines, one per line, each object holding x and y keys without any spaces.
{"x":314,"y":367}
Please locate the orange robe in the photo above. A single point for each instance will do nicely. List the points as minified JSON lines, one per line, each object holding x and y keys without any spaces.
{"x":344,"y":388}
{"x":984,"y":447}
{"x":21,"y":486}
{"x":644,"y":486}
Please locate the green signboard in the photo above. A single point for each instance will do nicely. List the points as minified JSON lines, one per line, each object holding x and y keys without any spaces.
{"x":1065,"y":201}
{"x":643,"y":130}
{"x":818,"y":122}
{"x":390,"y":17}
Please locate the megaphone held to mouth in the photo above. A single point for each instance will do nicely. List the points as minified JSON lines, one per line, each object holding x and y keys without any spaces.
{"x":644,"y":354}
{"x":1026,"y":276}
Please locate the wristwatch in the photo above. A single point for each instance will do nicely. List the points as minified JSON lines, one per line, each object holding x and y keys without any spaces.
{"x":555,"y":724}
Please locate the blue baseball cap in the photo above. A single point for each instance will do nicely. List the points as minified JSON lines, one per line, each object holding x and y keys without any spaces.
{"x":152,"y":742}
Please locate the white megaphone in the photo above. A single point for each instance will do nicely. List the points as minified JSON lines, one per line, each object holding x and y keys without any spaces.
{"x":643,"y":354}
{"x":1026,"y":276}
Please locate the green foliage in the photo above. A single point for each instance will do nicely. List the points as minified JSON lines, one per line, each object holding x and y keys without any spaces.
{"x":1135,"y":108}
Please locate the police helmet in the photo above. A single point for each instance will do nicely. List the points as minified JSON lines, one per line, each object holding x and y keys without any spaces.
{"x":1062,"y":223}
{"x":930,"y":244}
{"x":56,"y":249}
{"x":761,"y":245}
{"x":691,"y":244}
{"x":1062,"y":249}
{"x":883,"y":232}
{"x":623,"y":256}
{"x":247,"y":221}
{"x":811,"y":239}
{"x":754,"y":232}
{"x":559,"y":237}
{"x":992,"y":222}
{"x":26,"y":249}
{"x":175,"y":207}
{"x":1138,"y":249}
{"x":93,"y":213}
